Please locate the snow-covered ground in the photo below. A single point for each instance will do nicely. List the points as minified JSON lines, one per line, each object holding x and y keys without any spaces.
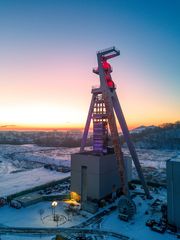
{"x":23,"y":157}
{"x":21,"y":166}
{"x":16,"y":182}
{"x":153,"y":162}
{"x":31,"y":217}
{"x":135,"y":229}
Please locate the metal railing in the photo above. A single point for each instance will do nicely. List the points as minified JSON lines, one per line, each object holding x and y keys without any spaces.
{"x":108,"y":49}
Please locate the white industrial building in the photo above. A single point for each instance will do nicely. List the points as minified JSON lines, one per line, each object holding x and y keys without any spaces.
{"x":95,"y":176}
{"x":173,"y":191}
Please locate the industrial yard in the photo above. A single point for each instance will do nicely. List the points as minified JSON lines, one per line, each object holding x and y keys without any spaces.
{"x":30,"y":216}
{"x":40,"y":216}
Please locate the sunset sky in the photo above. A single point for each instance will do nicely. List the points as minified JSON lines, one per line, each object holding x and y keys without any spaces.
{"x":48,"y":49}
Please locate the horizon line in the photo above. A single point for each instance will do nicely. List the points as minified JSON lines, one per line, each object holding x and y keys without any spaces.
{"x":12,"y":127}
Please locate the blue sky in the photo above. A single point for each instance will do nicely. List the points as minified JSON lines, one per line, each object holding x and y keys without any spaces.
{"x":47,"y":47}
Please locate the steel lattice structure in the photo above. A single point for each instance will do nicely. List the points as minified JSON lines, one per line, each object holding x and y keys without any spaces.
{"x":104,"y":114}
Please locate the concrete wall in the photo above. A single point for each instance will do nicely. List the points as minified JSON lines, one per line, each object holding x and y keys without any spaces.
{"x":108,"y":175}
{"x":102,"y":174}
{"x":173,"y":192}
{"x":92,"y":163}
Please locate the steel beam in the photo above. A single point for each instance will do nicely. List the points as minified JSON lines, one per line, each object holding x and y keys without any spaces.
{"x":126,"y":134}
{"x":88,"y":121}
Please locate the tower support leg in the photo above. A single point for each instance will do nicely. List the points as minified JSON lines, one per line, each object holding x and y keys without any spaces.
{"x":88,"y":121}
{"x":117,"y":148}
{"x":123,"y":125}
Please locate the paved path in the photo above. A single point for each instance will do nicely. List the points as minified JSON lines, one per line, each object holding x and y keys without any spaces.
{"x":56,"y":231}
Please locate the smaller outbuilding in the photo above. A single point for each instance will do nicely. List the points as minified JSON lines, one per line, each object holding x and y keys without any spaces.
{"x":29,"y":199}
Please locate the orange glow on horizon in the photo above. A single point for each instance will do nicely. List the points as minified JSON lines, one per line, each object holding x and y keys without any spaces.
{"x":68,"y":127}
{"x":41,"y":127}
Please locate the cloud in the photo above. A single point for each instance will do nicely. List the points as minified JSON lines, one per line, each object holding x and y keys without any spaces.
{"x":7,"y":126}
